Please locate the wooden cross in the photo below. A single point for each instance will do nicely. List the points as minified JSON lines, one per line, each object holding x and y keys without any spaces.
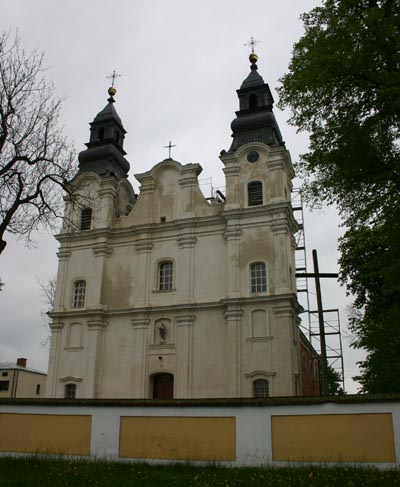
{"x":252,"y":42}
{"x":112,"y":76}
{"x":169,"y":146}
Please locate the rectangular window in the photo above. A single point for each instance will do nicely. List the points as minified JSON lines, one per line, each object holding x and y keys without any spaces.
{"x":79,"y":294}
{"x":4,"y":384}
{"x":258,"y":277}
{"x":4,"y":374}
{"x":166,"y":276}
{"x":260,"y":388}
{"x":86,"y":219}
{"x":38,"y":389}
{"x":255,"y":193}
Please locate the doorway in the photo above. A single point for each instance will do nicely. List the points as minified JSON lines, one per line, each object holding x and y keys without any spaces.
{"x":163,"y":386}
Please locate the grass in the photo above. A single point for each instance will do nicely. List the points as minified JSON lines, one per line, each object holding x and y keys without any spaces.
{"x":34,"y":472}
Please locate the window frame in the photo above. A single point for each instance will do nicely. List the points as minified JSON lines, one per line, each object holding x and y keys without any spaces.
{"x":86,"y":219}
{"x":165,"y":280}
{"x":79,"y":294}
{"x":70,"y":391}
{"x":258,"y":281}
{"x":264,"y":383}
{"x":260,"y":189}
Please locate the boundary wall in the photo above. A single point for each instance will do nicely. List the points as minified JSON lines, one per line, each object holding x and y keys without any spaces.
{"x":277,"y":431}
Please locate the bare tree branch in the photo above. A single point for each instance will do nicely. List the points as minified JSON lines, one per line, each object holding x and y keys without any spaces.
{"x":36,"y":160}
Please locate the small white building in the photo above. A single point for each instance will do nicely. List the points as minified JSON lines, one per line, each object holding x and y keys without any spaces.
{"x":169,"y":294}
{"x":18,"y":381}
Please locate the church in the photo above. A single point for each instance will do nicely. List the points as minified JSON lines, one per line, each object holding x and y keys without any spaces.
{"x":169,"y":294}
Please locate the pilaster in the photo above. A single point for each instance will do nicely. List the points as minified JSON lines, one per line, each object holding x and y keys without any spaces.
{"x":54,"y":358}
{"x":143,"y":248}
{"x":94,"y":357}
{"x":232,"y":237}
{"x":233,"y":356}
{"x":139,"y":381}
{"x":184,"y":372}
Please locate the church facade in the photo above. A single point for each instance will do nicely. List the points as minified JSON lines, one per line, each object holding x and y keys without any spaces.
{"x":168,"y":293}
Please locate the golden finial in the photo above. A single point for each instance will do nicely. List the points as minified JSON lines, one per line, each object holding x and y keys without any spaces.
{"x":253,"y":57}
{"x":112,"y":90}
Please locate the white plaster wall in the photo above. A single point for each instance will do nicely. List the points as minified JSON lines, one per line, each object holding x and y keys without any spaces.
{"x":253,"y":424}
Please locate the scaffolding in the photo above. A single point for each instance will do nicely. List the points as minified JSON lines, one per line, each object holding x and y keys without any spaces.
{"x":310,"y":322}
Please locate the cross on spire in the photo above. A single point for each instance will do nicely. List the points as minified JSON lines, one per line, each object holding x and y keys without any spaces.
{"x":252,"y":42}
{"x":112,"y":76}
{"x":169,"y":147}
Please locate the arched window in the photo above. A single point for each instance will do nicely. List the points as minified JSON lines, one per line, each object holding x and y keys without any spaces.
{"x":78,"y":299}
{"x":70,"y":391}
{"x":163,"y":386}
{"x":260,"y":388}
{"x":258,"y":277}
{"x":165,"y":275}
{"x":255,"y":193}
{"x":252,"y":101}
{"x":100,"y":133}
{"x":86,"y":218}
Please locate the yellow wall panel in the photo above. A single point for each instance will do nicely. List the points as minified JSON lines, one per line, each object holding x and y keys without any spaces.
{"x":41,"y":433}
{"x":333,"y":438}
{"x":178,"y":438}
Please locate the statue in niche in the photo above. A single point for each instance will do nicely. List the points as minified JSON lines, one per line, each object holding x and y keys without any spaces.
{"x":162,"y":329}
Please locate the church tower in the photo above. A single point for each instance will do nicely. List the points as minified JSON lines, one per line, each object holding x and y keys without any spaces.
{"x":169,"y":294}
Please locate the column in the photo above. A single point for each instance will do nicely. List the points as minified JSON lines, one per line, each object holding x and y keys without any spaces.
{"x":185,"y":278}
{"x":139,"y":379}
{"x":233,"y":356}
{"x":143,"y":281}
{"x":54,"y":359}
{"x":94,"y":358}
{"x":184,"y":368}
{"x":285,"y":350}
{"x":105,"y":212}
{"x":282,"y":279}
{"x":232,"y":238}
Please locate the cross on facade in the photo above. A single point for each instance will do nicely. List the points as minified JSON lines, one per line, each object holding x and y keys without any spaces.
{"x":252,"y":42}
{"x":112,"y":76}
{"x":169,"y":147}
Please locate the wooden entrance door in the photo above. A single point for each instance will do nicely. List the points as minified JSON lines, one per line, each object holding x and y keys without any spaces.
{"x":163,"y":386}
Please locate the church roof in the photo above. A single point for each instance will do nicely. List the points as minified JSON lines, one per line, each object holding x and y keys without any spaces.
{"x":253,"y":79}
{"x":108,"y":113}
{"x":255,"y":120}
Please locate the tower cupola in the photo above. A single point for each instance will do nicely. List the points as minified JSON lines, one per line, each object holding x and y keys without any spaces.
{"x":105,"y":154}
{"x":255,"y":121}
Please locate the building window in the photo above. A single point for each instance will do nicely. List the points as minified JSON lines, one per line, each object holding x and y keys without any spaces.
{"x":78,"y":300}
{"x":165,"y":276}
{"x":38,"y":389}
{"x":258,"y":277}
{"x":255,"y":193}
{"x":70,"y":391}
{"x":100,"y":133}
{"x":252,"y":101}
{"x":86,"y":218}
{"x":4,"y":374}
{"x":4,"y":384}
{"x":260,"y":388}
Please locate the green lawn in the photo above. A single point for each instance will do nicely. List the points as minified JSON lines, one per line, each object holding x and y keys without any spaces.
{"x":31,"y":472}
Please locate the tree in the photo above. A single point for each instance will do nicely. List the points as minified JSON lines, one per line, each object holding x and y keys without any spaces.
{"x":48,"y":292}
{"x":334,"y":382}
{"x":343,"y":87}
{"x":36,"y":160}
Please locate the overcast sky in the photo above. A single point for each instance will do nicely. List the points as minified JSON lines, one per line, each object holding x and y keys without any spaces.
{"x":180,"y":64}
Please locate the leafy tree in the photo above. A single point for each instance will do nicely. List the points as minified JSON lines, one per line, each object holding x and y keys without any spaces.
{"x":334,"y":382}
{"x":343,"y":87}
{"x":36,"y":160}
